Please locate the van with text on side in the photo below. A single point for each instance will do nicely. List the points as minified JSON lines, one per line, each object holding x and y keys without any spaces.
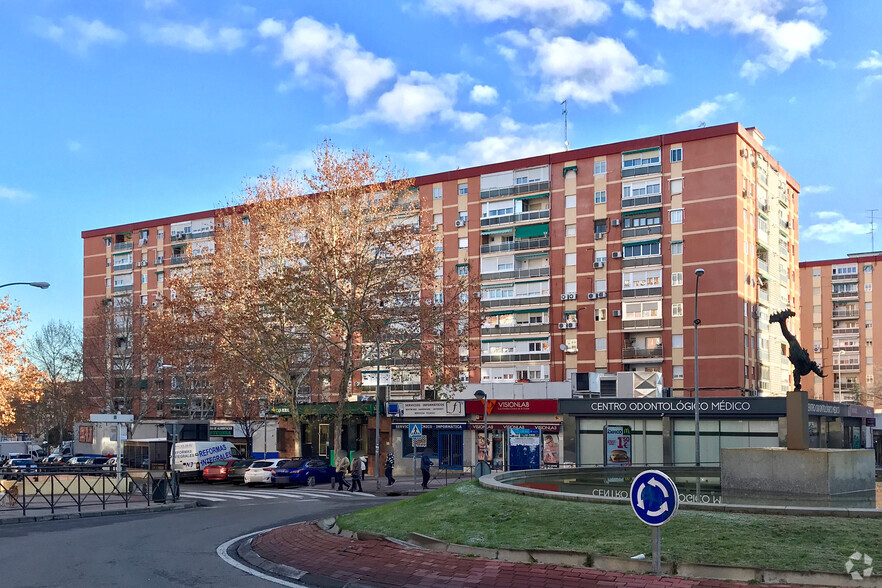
{"x":189,"y":458}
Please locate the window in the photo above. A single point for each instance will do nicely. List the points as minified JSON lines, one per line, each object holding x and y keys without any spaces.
{"x":642,"y":249}
{"x":677,"y":248}
{"x":677,"y":309}
{"x":642,"y":220}
{"x":642,"y":310}
{"x":462,"y":189}
{"x":144,"y":300}
{"x":437,"y":192}
{"x":868,"y":286}
{"x":143,"y":278}
{"x":570,"y":259}
{"x":107,"y":241}
{"x":677,"y":341}
{"x":439,"y":247}
{"x":462,"y":215}
{"x":463,"y":242}
{"x":677,"y":186}
{"x":571,"y":231}
{"x":646,"y":188}
{"x":641,"y":279}
{"x":600,"y":314}
{"x":439,"y":272}
{"x":570,"y":287}
{"x":160,"y":234}
{"x":599,"y":167}
{"x":677,"y":279}
{"x":676,"y":155}
{"x":676,"y":216}
{"x":438,"y":219}
{"x":570,"y":202}
{"x":599,"y":196}
{"x":600,"y":344}
{"x":868,"y":269}
{"x":107,"y":282}
{"x":160,"y":276}
{"x":600,"y":226}
{"x":868,"y":307}
{"x":816,"y":272}
{"x":600,"y":285}
{"x":462,"y":270}
{"x":143,"y":234}
{"x":678,"y":372}
{"x":600,"y":257}
{"x":521,"y":180}
{"x":572,"y":345}
{"x":438,"y":298}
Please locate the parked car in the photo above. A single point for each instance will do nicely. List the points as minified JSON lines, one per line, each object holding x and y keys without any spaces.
{"x":218,"y":471}
{"x":77,"y":461}
{"x":304,"y":471}
{"x":97,"y":461}
{"x":15,"y":466}
{"x":261,"y":471}
{"x":110,"y":465}
{"x":236,"y":474}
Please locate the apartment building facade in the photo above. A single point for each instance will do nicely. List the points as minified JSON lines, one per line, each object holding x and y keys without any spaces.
{"x":837,"y":320}
{"x":586,"y":260}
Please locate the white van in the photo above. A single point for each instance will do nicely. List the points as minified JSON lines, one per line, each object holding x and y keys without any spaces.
{"x":189,"y":458}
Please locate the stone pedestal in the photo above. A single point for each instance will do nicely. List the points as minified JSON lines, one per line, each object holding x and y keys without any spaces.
{"x":797,"y":420}
{"x":813,"y":472}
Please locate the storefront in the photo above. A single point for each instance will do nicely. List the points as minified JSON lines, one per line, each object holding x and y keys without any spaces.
{"x":441,"y":424}
{"x":522,"y":434}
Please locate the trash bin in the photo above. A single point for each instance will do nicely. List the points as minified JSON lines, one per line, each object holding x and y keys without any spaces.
{"x":159,"y":489}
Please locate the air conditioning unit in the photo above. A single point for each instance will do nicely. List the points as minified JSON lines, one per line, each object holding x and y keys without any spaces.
{"x":571,"y":325}
{"x":477,"y":294}
{"x":598,"y":236}
{"x":460,"y":223}
{"x":142,"y":263}
{"x":616,"y":254}
{"x":592,"y":296}
{"x":155,"y":304}
{"x":158,"y":261}
{"x":615,"y":222}
{"x":562,"y":325}
{"x":601,"y":294}
{"x":570,"y":295}
{"x":617,"y":313}
{"x":598,"y":264}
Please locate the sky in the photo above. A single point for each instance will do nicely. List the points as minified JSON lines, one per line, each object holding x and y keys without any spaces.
{"x":115,"y":112}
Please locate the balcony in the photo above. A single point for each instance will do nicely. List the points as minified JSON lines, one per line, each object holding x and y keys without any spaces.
{"x":641,"y":200}
{"x":515,"y":218}
{"x":122,"y":246}
{"x":762,"y":265}
{"x":632,"y":353}
{"x":642,"y":261}
{"x":497,"y":357}
{"x":516,"y":190}
{"x":525,"y":301}
{"x":641,"y":324}
{"x":846,"y":346}
{"x":178,"y":259}
{"x":845,"y":278}
{"x":763,"y":295}
{"x":537,"y":272}
{"x":122,"y":267}
{"x":849,"y":295}
{"x":846,"y":331}
{"x":641,"y":231}
{"x":846,"y":313}
{"x":127,"y":288}
{"x":516,"y":329}
{"x":517,"y":245}
{"x":638,"y":292}
{"x":847,"y":364}
{"x":641,"y":170}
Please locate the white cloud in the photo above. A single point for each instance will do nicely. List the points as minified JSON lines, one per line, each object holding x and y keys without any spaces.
{"x":868,"y":82}
{"x":633,"y":9}
{"x":326,"y":55}
{"x":828,"y":63}
{"x":203,"y":38}
{"x":484,"y":94}
{"x":73,"y":146}
{"x":834,"y":228}
{"x":819,"y":189}
{"x":785,"y":41}
{"x":585,"y":71}
{"x":553,"y":12}
{"x":705,"y":111}
{"x":874,"y":61}
{"x":7,"y":193}
{"x":270,"y":28}
{"x":77,"y":35}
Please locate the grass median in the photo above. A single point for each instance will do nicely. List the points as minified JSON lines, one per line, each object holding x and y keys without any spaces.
{"x":469,"y":514}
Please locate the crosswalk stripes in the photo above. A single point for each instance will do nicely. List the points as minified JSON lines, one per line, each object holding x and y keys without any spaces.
{"x":311,"y":495}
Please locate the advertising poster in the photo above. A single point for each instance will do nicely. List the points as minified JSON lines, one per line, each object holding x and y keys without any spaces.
{"x":550,"y":450}
{"x":524,"y":449}
{"x":618,"y":445}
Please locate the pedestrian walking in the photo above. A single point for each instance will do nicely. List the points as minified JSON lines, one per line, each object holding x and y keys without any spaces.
{"x":390,"y":464}
{"x":358,"y":467}
{"x":342,"y":466}
{"x":425,"y":464}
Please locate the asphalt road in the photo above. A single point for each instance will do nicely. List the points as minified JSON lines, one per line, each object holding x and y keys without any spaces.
{"x":176,"y":548}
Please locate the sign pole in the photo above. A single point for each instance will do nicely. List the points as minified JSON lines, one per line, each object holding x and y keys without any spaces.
{"x":654,"y":498}
{"x":656,"y":551}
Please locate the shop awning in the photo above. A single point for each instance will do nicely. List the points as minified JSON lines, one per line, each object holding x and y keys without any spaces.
{"x":627,"y":244}
{"x":641,"y":150}
{"x":529,"y":255}
{"x":496,"y":231}
{"x":643,"y":211}
{"x":531,"y":196}
{"x":530,"y":231}
{"x":519,"y":311}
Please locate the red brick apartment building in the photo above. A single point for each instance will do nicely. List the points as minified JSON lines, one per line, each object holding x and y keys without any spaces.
{"x":837,"y":320}
{"x":586,"y":258}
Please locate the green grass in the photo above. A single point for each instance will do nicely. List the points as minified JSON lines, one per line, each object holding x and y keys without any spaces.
{"x":469,"y":514}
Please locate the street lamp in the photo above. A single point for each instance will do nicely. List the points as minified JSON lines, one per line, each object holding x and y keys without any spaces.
{"x":485,"y":469}
{"x":262,"y":400}
{"x":41,"y":285}
{"x":696,"y":321}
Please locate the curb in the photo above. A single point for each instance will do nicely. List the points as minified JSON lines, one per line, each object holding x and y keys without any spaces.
{"x":180,"y":505}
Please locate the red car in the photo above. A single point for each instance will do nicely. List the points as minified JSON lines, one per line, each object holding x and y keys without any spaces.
{"x":218,"y":471}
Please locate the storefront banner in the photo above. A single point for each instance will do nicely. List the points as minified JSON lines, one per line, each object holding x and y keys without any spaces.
{"x":436,"y":426}
{"x":415,"y":410}
{"x":549,"y":428}
{"x":734,"y":407}
{"x":618,"y":445}
{"x":512,"y":406}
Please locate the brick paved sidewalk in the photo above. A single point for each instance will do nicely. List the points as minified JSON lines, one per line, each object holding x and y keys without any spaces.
{"x":382,"y":563}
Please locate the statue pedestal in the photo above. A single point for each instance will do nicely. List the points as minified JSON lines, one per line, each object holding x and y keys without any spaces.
{"x":797,"y":420}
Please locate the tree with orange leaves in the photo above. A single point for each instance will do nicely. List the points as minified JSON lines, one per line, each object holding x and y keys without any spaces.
{"x":19,"y":379}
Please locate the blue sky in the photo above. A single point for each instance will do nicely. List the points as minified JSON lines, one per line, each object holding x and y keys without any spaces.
{"x":114,"y":112}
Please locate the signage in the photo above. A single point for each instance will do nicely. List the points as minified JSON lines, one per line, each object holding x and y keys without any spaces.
{"x":512,"y":406}
{"x":415,"y":430}
{"x":618,"y":445}
{"x":433,"y":426}
{"x":433,"y":409}
{"x":479,"y":426}
{"x":112,"y":418}
{"x":871,"y":422}
{"x":220,"y":431}
{"x":281,"y":410}
{"x":523,"y":437}
{"x":85,"y":435}
{"x":654,"y":497}
{"x":420,"y":442}
{"x":724,"y":407}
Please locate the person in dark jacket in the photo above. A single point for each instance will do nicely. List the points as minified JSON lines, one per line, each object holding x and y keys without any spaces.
{"x":390,"y":464}
{"x":425,"y":464}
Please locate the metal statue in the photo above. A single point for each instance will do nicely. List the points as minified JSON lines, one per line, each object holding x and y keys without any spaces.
{"x":799,"y":357}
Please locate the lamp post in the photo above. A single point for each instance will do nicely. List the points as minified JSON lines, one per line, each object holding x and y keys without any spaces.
{"x":696,"y":321}
{"x":262,"y":400}
{"x":377,"y":445}
{"x":41,"y":285}
{"x":485,"y":469}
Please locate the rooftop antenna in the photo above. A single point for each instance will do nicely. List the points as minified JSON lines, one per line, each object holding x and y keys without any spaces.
{"x":566,"y":135}
{"x":702,"y":124}
{"x":872,"y":212}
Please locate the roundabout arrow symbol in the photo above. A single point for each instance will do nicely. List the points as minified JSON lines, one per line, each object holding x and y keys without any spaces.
{"x":661,"y":509}
{"x":640,"y":496}
{"x":655,"y":482}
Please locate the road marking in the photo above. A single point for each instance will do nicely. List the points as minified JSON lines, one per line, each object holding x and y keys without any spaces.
{"x":188,"y":495}
{"x":222,"y":553}
{"x":212,"y":495}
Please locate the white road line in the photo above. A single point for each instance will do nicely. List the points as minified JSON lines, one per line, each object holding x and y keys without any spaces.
{"x":216,"y":495}
{"x":202,"y":497}
{"x":222,"y":553}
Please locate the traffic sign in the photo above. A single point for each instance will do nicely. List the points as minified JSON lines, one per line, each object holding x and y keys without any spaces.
{"x":416,"y":430}
{"x":420,"y":442}
{"x":654,"y":497}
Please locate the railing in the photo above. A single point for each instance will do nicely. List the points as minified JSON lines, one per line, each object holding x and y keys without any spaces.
{"x":122,"y":267}
{"x":127,"y":288}
{"x":637,"y":292}
{"x":517,"y":245}
{"x":846,"y":348}
{"x":849,"y":294}
{"x":536,"y":272}
{"x":516,"y":190}
{"x":641,"y":200}
{"x":635,"y":353}
{"x":641,"y":232}
{"x":642,"y":261}
{"x":515,"y":301}
{"x":845,"y":277}
{"x":763,"y":295}
{"x":641,"y":323}
{"x":39,"y":491}
{"x":514,"y":357}
{"x":847,"y":313}
{"x":122,"y":246}
{"x":514,"y":329}
{"x":178,"y":259}
{"x":515,"y":218}
{"x":641,"y":170}
{"x":846,"y":331}
{"x":762,"y":264}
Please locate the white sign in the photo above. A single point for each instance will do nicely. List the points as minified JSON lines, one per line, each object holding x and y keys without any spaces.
{"x":416,"y":430}
{"x":452,"y":408}
{"x":420,"y":441}
{"x":112,"y":418}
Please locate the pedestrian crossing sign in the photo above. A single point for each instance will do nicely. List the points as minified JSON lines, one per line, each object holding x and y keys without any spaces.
{"x":416,"y":430}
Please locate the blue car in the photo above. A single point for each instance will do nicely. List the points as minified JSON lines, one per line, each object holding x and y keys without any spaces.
{"x":303,"y":471}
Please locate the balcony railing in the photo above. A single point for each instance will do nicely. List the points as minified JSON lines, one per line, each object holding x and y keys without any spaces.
{"x":515,"y":218}
{"x":122,"y":246}
{"x":641,"y":324}
{"x":517,"y":245}
{"x":178,"y":259}
{"x":763,"y":295}
{"x":127,"y":288}
{"x":635,"y":353}
{"x":516,"y":190}
{"x":122,"y":267}
{"x":846,"y":331}
{"x":642,"y":261}
{"x":494,"y":302}
{"x":845,"y":277}
{"x":762,"y":264}
{"x":853,"y":347}
{"x":846,"y":295}
{"x":641,"y":170}
{"x":641,"y":231}
{"x":516,"y":329}
{"x":539,"y":356}
{"x":637,"y":292}
{"x":846,"y":313}
{"x":641,"y":200}
{"x":536,"y":272}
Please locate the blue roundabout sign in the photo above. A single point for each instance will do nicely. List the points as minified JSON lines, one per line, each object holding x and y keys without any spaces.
{"x":654,"y":497}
